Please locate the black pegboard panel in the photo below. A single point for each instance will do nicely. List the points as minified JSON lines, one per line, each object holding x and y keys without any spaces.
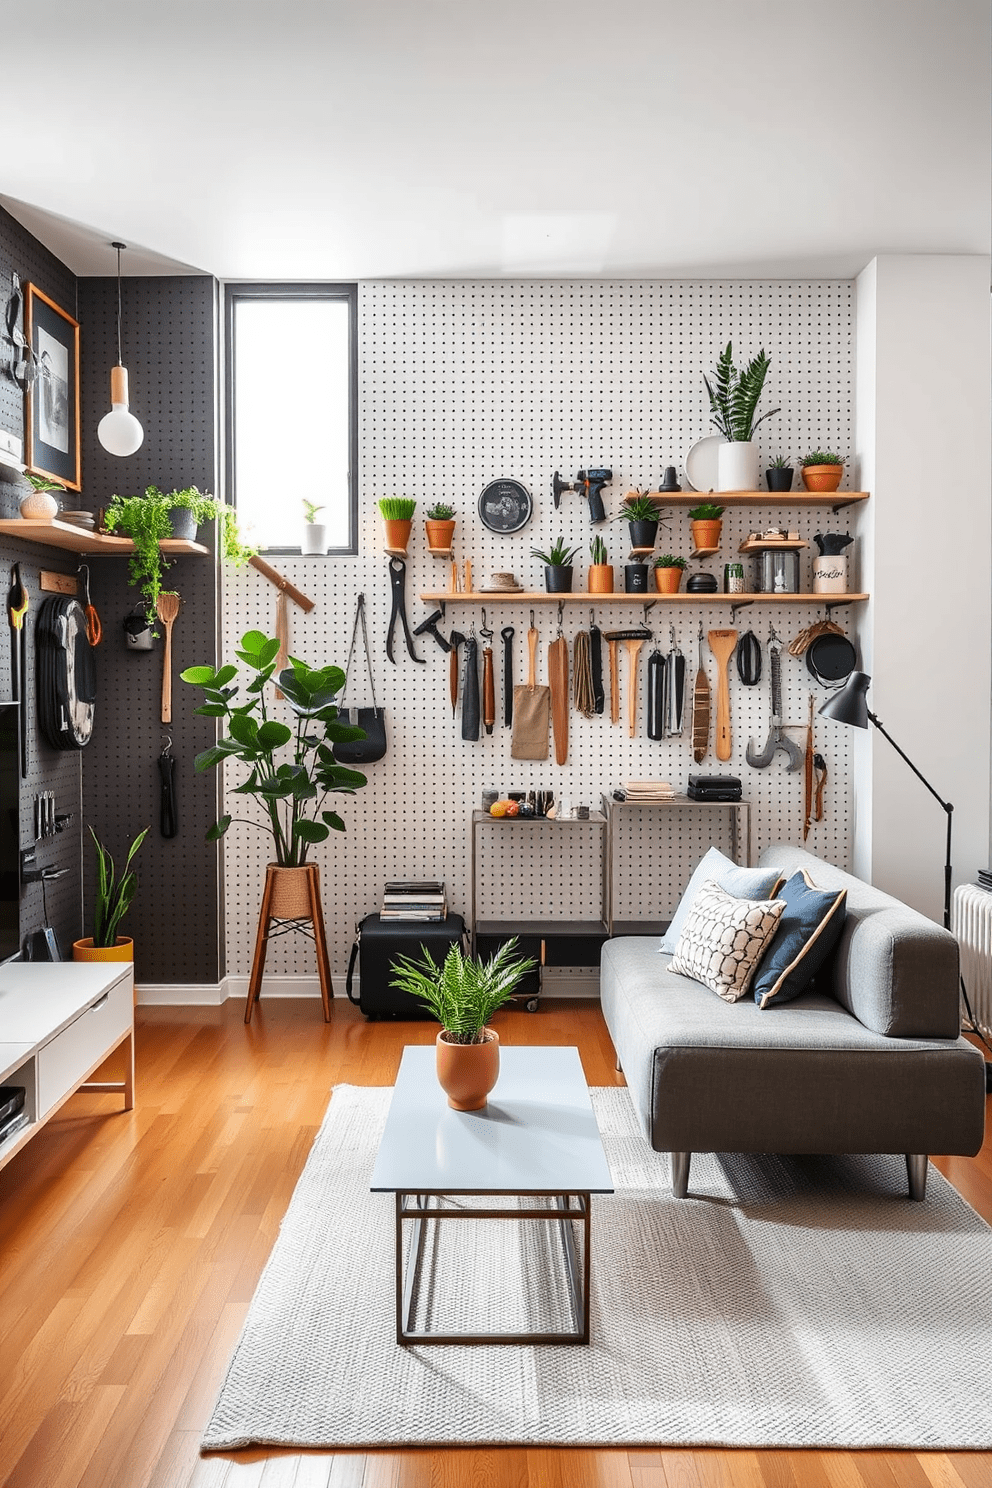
{"x":48,"y":770}
{"x":170,"y":351}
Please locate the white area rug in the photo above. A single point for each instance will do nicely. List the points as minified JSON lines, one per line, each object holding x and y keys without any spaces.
{"x":787,"y":1302}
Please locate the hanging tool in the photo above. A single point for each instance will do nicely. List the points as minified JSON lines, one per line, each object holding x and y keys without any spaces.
{"x":94,"y":630}
{"x":457,"y":639}
{"x":656,"y":695}
{"x":531,"y":708}
{"x":167,"y":609}
{"x":17,"y":608}
{"x":590,"y":483}
{"x":429,"y":627}
{"x":611,"y":646}
{"x":674,"y":689}
{"x":470,"y":688}
{"x":810,"y":758}
{"x":168,"y":820}
{"x":777,"y":739}
{"x":596,"y":662}
{"x":507,"y":634}
{"x":397,"y":583}
{"x":749,"y":659}
{"x":584,"y":693}
{"x":820,"y":773}
{"x":633,"y":640}
{"x":558,"y":679}
{"x":488,"y":680}
{"x":723,"y":644}
{"x":700,"y":707}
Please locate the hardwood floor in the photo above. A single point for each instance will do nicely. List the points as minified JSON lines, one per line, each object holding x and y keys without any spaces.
{"x":130,"y":1246}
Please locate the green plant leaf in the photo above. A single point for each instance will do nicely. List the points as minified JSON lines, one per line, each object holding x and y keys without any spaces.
{"x":219,"y":828}
{"x":273,"y":733}
{"x":209,"y":758}
{"x":199,"y":676}
{"x":211,"y":710}
{"x":244,"y":729}
{"x":333,"y":820}
{"x":310,"y":831}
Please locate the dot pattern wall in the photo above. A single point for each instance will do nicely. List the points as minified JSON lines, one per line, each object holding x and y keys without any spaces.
{"x":462,"y":383}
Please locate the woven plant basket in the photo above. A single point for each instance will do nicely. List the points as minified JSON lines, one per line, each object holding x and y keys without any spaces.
{"x":290,"y":897}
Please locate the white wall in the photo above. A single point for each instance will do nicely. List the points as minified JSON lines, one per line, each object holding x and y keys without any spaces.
{"x":923,"y":418}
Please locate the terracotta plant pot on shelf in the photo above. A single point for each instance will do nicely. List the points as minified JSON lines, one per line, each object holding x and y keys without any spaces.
{"x":822,"y":477}
{"x":601,"y":578}
{"x":85,"y":950}
{"x":439,"y":535}
{"x":667,"y":580}
{"x":467,"y":1072}
{"x":706,"y":534}
{"x":397,"y":534}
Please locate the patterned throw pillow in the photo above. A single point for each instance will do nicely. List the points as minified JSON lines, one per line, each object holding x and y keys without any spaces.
{"x":724,"y":938}
{"x":743,"y":883}
{"x":808,"y":931}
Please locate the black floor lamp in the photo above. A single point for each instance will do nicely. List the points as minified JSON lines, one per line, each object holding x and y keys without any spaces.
{"x":849,"y":705}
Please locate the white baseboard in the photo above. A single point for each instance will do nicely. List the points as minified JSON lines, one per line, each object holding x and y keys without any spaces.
{"x":212,"y":994}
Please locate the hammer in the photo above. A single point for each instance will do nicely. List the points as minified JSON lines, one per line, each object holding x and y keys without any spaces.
{"x":429,"y":627}
{"x":633,"y":640}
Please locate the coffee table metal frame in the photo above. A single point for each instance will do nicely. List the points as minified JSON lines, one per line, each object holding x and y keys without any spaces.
{"x":417,"y":1209}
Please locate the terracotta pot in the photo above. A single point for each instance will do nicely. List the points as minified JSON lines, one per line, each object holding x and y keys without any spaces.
{"x":290,"y":899}
{"x":398,"y":534}
{"x":467,"y":1072}
{"x":85,"y":950}
{"x":707,"y":534}
{"x":822,"y":477}
{"x":601,"y":578}
{"x":439,"y":534}
{"x":667,"y":580}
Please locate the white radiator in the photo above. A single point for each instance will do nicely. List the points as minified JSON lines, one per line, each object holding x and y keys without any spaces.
{"x":971,"y":923}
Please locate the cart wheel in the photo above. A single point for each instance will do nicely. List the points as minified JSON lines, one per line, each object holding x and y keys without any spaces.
{"x":532,"y":1005}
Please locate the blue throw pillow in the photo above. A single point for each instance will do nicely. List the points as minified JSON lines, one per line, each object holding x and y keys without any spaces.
{"x":807,"y":932}
{"x":743,"y":883}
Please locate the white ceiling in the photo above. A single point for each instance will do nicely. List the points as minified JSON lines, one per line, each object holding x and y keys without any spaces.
{"x":432,"y":138}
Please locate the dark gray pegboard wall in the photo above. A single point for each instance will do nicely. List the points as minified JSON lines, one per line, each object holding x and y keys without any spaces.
{"x":170,"y":344}
{"x":48,"y":770}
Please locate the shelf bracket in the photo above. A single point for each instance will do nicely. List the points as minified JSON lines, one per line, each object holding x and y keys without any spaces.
{"x":648,"y":607}
{"x":741,"y":605}
{"x":835,"y":604}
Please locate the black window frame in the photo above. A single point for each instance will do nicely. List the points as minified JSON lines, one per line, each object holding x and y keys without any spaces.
{"x":233,"y":293}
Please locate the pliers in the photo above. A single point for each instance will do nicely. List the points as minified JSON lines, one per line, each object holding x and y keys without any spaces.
{"x":397,"y":583}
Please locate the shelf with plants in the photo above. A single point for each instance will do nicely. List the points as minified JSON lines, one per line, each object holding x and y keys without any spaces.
{"x":441,"y":597}
{"x":836,"y":500}
{"x":55,"y":534}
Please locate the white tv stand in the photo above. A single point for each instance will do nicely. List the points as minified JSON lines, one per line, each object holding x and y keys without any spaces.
{"x":59,"y":1020}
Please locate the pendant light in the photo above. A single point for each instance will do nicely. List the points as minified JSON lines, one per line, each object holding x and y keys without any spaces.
{"x":119,"y":431}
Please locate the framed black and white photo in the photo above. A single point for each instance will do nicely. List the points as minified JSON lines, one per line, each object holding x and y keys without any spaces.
{"x":52,"y":399}
{"x":505,"y":506}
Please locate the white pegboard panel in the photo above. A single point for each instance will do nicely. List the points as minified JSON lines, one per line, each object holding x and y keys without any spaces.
{"x":461,"y":383}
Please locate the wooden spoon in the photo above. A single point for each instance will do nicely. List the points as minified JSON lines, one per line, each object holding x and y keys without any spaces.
{"x":167,"y":609}
{"x":723,"y":643}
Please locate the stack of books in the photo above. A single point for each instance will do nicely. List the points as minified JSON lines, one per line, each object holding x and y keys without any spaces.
{"x":985,"y":878}
{"x":12,"y":1113}
{"x":409,"y":900}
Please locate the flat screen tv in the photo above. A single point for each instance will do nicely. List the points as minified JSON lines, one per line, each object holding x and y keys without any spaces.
{"x":10,"y":836}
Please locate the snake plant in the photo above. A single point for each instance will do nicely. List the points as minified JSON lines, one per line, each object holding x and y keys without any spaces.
{"x":734,"y":395}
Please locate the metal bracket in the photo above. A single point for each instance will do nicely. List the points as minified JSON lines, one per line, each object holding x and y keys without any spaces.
{"x":649,"y":606}
{"x":740,"y":605}
{"x":835,"y":604}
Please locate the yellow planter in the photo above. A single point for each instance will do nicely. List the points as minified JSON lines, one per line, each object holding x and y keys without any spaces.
{"x":85,"y":950}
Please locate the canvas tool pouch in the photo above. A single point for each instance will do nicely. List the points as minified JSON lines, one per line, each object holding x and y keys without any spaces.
{"x":531,"y":720}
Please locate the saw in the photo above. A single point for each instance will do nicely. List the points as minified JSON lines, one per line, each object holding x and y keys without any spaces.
{"x":700,"y":707}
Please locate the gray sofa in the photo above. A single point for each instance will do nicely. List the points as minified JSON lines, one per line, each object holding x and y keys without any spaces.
{"x":871,"y":1060}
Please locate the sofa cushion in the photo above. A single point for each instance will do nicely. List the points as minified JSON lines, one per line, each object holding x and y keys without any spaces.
{"x":743,"y":883}
{"x":810,"y":927}
{"x":724,"y":938}
{"x":894,"y":969}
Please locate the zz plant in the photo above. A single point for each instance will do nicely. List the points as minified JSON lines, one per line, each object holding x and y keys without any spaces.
{"x":734,"y":395}
{"x":290,"y":771}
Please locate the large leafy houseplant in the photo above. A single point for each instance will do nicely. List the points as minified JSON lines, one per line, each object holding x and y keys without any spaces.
{"x":734,"y":396}
{"x":290,"y":771}
{"x":145,"y":520}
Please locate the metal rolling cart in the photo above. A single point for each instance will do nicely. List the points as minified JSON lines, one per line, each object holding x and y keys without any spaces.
{"x":533,"y":858}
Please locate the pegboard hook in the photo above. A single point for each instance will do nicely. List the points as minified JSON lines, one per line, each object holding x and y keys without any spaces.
{"x":561,"y":614}
{"x":167,"y":746}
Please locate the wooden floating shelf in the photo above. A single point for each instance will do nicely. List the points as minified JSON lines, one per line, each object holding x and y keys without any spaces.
{"x":703,"y":552}
{"x":396,"y":552}
{"x":650,"y":597}
{"x":55,"y":534}
{"x":835,"y":499}
{"x":775,"y":545}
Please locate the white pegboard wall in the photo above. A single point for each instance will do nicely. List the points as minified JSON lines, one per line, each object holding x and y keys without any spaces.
{"x":461,"y":383}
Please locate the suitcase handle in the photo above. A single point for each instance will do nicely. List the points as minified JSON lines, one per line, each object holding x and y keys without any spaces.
{"x":351,"y":970}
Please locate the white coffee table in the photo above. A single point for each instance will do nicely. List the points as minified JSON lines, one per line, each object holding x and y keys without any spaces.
{"x":536,"y":1138}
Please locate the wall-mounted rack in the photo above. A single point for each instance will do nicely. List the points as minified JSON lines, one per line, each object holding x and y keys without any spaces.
{"x":828,"y":601}
{"x":836,"y":500}
{"x":56,"y":534}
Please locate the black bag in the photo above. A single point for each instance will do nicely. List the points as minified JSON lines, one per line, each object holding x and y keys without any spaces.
{"x":379,"y":943}
{"x":66,"y":674}
{"x":373,"y":720}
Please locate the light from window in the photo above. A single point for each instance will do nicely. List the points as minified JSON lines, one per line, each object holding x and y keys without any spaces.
{"x":291,"y":416}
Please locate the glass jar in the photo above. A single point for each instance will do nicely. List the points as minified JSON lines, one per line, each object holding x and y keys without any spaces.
{"x":778,"y":571}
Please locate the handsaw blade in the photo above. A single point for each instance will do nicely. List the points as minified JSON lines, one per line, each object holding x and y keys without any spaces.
{"x":700,"y":715}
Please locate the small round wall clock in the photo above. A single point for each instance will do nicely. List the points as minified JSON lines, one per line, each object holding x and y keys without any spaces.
{"x":505,"y":506}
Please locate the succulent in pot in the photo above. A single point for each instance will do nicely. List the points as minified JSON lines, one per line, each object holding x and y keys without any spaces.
{"x":734,"y":394}
{"x":558,"y":569}
{"x":397,"y":514}
{"x":706,"y":526}
{"x":822,"y":471}
{"x":314,"y":532}
{"x":439,"y":524}
{"x":668,"y":572}
{"x":601,"y":569}
{"x":778,"y":476}
{"x":641,"y":512}
{"x":463,"y":994}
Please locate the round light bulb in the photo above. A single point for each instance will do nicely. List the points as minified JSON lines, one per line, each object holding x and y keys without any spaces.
{"x":119,"y":431}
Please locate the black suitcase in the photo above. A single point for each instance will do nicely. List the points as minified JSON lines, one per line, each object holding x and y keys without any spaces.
{"x":379,"y":943}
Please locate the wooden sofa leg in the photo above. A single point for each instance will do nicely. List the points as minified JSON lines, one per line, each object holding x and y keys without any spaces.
{"x":916,"y":1172}
{"x":680,"y":1173}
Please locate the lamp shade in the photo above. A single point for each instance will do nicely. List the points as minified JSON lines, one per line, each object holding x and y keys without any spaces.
{"x":849,"y":704}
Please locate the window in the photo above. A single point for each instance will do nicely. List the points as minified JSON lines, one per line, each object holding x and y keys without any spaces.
{"x":292,"y":411}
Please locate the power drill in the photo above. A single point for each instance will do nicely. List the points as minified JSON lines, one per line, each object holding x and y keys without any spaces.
{"x":590,"y":483}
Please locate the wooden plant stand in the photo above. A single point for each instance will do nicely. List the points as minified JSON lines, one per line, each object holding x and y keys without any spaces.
{"x":308,"y":913}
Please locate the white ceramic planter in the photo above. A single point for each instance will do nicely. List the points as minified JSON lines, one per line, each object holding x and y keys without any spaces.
{"x":830,"y":573}
{"x":314,"y":537}
{"x":737,"y":466}
{"x":39,"y":506}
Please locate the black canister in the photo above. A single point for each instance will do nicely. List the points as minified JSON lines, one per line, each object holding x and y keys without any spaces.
{"x":635,"y":578}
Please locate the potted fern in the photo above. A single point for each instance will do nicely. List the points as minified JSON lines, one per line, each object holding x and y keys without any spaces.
{"x":314,"y":532}
{"x":668,"y":572}
{"x":397,"y":514}
{"x":463,"y":994}
{"x":734,"y":396}
{"x":558,"y":570}
{"x":114,"y":893}
{"x":149,"y":519}
{"x":600,"y":569}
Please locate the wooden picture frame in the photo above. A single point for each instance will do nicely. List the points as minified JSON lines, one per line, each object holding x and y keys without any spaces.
{"x":52,"y":446}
